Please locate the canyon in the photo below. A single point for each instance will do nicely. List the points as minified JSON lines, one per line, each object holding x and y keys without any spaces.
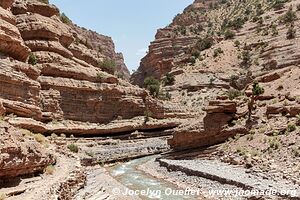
{"x":215,"y":100}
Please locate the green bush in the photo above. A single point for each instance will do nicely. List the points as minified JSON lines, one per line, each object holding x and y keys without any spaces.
{"x":246,"y":58}
{"x":108,"y":65}
{"x":290,"y":16}
{"x":291,"y":33}
{"x":32,"y":59}
{"x":236,"y":23}
{"x":257,"y":89}
{"x":169,"y":79}
{"x":147,"y":115}
{"x":73,"y":147}
{"x":217,"y":52}
{"x":237,"y":43}
{"x":291,"y":127}
{"x":233,"y":93}
{"x":229,"y":34}
{"x":204,"y":43}
{"x":153,"y":85}
{"x":64,"y":18}
{"x":278,"y":4}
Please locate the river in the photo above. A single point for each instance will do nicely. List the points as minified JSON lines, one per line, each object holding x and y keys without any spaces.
{"x":136,"y":180}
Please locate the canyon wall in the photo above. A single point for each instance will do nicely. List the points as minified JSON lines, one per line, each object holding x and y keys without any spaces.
{"x":52,"y":69}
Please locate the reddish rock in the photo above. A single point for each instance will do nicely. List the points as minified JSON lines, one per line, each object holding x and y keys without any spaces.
{"x":214,"y":129}
{"x":6,"y":3}
{"x":34,"y":6}
{"x":2,"y":109}
{"x":11,"y":41}
{"x":160,"y":59}
{"x":20,"y":154}
{"x":290,"y":111}
{"x":35,"y":26}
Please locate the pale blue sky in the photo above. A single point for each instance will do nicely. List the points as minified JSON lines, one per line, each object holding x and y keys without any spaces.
{"x":131,"y":23}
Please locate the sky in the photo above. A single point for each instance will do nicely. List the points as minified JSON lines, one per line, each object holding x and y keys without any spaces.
{"x":132,"y":24}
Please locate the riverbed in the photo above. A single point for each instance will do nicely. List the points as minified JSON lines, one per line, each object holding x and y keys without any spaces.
{"x":145,"y":186}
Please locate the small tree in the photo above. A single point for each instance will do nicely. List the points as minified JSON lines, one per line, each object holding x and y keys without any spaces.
{"x":153,"y":85}
{"x":256,"y":91}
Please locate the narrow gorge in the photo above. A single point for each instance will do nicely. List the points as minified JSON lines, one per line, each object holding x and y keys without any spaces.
{"x":214,"y":106}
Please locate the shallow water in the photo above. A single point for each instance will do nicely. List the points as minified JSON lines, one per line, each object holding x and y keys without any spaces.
{"x":136,"y":180}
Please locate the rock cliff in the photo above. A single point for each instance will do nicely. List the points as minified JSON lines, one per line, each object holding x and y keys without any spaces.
{"x":52,"y":69}
{"x":56,"y":77}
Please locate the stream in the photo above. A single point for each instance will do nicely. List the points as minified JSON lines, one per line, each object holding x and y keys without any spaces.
{"x":136,"y":180}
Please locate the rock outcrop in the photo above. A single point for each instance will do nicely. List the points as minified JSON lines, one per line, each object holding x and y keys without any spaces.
{"x":20,"y":154}
{"x":64,"y":80}
{"x":215,"y":128}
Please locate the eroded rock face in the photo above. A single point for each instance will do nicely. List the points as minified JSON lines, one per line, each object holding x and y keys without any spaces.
{"x":12,"y":43}
{"x":20,"y":154}
{"x":2,"y":109}
{"x":64,"y":80}
{"x":214,"y":129}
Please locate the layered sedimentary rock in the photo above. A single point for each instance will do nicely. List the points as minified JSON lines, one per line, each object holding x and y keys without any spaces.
{"x":171,"y":47}
{"x":11,"y":40}
{"x":20,"y":154}
{"x":64,"y":80}
{"x":214,"y":129}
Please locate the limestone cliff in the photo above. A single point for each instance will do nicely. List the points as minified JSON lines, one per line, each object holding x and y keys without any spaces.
{"x":52,"y":69}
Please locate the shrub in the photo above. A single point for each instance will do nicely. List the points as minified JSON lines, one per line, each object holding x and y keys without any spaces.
{"x":40,"y":138}
{"x":291,"y":33}
{"x":291,"y":127}
{"x":274,"y":30}
{"x":233,"y":93}
{"x":274,"y":143}
{"x":100,"y":75}
{"x":229,"y":34}
{"x":64,"y":18}
{"x":166,"y":96}
{"x":147,"y":115}
{"x":192,"y":60}
{"x":169,"y":79}
{"x":236,"y":23}
{"x":290,"y":16}
{"x":246,"y":58}
{"x":204,"y":43}
{"x":237,"y":43}
{"x":49,"y":170}
{"x":153,"y":85}
{"x":195,"y":53}
{"x":217,"y":52}
{"x":108,"y":65}
{"x":73,"y":148}
{"x":32,"y":59}
{"x":257,"y":89}
{"x":278,"y":4}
